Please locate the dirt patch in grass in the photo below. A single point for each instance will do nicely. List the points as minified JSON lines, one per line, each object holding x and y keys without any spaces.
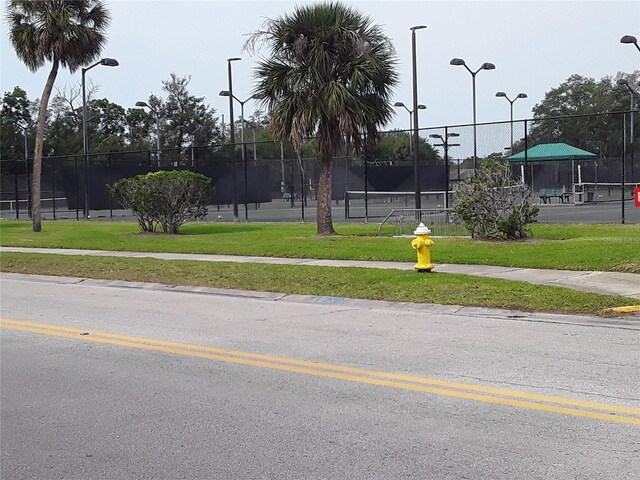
{"x":627,"y":268}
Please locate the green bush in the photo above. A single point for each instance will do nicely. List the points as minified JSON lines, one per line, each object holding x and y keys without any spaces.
{"x":494,"y":206}
{"x":167,"y":199}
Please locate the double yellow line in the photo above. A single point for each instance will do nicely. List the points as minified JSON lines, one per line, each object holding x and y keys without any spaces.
{"x":531,"y":401}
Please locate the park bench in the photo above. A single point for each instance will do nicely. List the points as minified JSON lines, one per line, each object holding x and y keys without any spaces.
{"x":287,"y":196}
{"x":547,"y":194}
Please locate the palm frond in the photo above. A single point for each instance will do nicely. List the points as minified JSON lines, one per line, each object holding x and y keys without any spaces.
{"x":330,"y":71}
{"x":71,"y":31}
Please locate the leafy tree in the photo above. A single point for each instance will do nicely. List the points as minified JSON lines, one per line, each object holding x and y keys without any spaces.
{"x":580,"y":95}
{"x":330,"y":74}
{"x":64,"y":120}
{"x":67,"y":33}
{"x":109,"y":128}
{"x":194,"y":122}
{"x":15,"y":111}
{"x":140,"y":129}
{"x":494,"y":206}
{"x":64,"y":135}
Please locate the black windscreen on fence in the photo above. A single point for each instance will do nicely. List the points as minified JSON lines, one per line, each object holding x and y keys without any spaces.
{"x":280,"y":186}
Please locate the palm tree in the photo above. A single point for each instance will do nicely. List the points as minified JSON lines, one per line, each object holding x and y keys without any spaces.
{"x":64,"y":32}
{"x":330,"y":74}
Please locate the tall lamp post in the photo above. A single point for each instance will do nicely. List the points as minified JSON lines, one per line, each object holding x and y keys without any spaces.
{"x":633,"y":91}
{"x":485,"y":66}
{"x":445,"y":142}
{"x":107,"y":62}
{"x":234,"y":194}
{"x":618,"y":107}
{"x":511,"y":102}
{"x":599,"y":144}
{"x":232,"y":97}
{"x":445,"y":145}
{"x":420,"y":107}
{"x":255,"y":126}
{"x":157,"y":112}
{"x":630,"y":39}
{"x":416,"y":141}
{"x":24,"y":129}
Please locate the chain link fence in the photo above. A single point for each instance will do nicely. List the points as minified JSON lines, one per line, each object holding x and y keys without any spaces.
{"x":266,"y":181}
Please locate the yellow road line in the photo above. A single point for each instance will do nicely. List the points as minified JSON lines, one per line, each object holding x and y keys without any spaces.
{"x":197,"y":351}
{"x":340,"y":368}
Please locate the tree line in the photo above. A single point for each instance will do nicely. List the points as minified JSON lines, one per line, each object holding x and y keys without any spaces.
{"x":114,"y":128}
{"x":110,"y":127}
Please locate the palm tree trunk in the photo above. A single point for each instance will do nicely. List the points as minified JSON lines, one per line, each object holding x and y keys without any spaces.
{"x":37,"y":154}
{"x":324,"y":222}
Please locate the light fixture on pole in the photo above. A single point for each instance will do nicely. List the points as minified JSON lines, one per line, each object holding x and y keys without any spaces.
{"x":445,"y":145}
{"x":416,"y":141}
{"x":633,"y":91}
{"x":630,"y":39}
{"x":232,"y":97}
{"x":107,"y":62}
{"x":24,"y":129}
{"x":234,"y":194}
{"x":157,"y":113}
{"x":520,"y":95}
{"x":420,"y":107}
{"x":255,"y":126}
{"x":599,"y":144}
{"x":485,"y":66}
{"x":619,"y":108}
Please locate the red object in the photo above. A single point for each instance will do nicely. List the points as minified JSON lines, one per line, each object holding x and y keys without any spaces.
{"x":636,"y":196}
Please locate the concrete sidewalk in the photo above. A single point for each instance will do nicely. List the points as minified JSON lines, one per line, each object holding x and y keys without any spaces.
{"x":612,"y":283}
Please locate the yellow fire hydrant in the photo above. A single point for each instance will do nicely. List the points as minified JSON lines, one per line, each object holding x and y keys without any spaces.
{"x":422,"y":244}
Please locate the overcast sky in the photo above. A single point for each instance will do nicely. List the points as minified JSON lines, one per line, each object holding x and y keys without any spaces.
{"x":535,"y":46}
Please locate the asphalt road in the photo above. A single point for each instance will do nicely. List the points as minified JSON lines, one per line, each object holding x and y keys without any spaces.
{"x":110,"y":380}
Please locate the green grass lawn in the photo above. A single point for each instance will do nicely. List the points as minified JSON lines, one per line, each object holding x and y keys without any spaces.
{"x":374,"y":284}
{"x":571,"y":247}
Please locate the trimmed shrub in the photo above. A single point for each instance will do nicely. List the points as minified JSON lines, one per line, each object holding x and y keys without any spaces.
{"x":165,"y":198}
{"x":494,"y":206}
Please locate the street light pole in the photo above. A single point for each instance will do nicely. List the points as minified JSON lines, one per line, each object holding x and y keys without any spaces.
{"x":107,"y":62}
{"x":24,"y":129}
{"x":445,"y":141}
{"x":157,"y":112}
{"x":232,"y":97}
{"x":416,"y":141}
{"x":234,"y":194}
{"x":511,"y":102}
{"x":26,"y":170}
{"x":445,"y":145}
{"x":633,"y":92}
{"x":244,"y":161}
{"x":420,"y":107}
{"x":484,"y":66}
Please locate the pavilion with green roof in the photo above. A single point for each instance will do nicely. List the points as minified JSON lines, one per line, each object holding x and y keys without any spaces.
{"x":547,"y":152}
{"x":554,"y":152}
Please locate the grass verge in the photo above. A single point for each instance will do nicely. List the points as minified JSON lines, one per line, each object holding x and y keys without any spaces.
{"x":372,"y":284}
{"x":569,"y":247}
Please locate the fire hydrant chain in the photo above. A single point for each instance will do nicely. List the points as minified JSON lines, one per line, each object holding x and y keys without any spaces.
{"x":422,"y":244}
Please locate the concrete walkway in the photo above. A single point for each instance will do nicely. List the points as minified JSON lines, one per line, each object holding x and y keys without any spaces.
{"x":626,"y":284}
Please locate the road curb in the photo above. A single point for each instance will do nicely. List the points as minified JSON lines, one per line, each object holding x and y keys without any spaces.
{"x":420,"y":309}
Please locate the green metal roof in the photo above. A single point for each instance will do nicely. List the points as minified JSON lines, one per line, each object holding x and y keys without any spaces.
{"x":546,"y":152}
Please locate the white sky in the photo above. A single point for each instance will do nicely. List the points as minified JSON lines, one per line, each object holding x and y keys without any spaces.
{"x":535,"y":46}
